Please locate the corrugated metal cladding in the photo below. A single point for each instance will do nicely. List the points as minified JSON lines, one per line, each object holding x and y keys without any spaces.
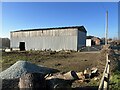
{"x":54,"y":39}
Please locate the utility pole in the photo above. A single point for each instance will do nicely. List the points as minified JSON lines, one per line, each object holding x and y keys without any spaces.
{"x":104,"y":84}
{"x":106,"y":31}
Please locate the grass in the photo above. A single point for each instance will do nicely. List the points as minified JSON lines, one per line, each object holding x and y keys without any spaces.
{"x":115,"y":76}
{"x":115,"y":81}
{"x":62,"y":61}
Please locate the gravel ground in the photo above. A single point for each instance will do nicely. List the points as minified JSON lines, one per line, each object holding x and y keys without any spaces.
{"x":22,"y":67}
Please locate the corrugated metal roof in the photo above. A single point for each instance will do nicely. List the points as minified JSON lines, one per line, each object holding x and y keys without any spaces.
{"x":81,"y":28}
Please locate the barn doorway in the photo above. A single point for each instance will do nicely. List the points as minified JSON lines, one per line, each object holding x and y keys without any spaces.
{"x":22,"y":46}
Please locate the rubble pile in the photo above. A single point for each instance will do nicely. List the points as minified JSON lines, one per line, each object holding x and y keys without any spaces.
{"x":20,"y":71}
{"x":22,"y":67}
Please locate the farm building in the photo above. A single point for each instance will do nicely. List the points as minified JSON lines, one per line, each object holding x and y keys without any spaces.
{"x":5,"y":43}
{"x":66,"y":38}
{"x":92,"y":40}
{"x":88,"y":42}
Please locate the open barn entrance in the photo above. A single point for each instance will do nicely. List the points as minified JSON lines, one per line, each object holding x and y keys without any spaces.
{"x":22,"y":46}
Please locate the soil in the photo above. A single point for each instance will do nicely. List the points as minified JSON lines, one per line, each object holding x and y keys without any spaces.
{"x":63,"y":61}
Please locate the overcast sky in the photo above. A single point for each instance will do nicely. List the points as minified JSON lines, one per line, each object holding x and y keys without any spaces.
{"x":92,"y":15}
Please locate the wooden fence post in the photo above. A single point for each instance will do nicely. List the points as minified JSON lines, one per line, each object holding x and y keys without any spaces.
{"x":104,"y":84}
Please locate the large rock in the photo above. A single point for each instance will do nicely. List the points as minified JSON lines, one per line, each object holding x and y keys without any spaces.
{"x":58,"y":84}
{"x":32,"y":81}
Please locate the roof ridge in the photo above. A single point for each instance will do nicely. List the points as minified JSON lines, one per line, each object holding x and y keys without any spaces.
{"x":50,"y":28}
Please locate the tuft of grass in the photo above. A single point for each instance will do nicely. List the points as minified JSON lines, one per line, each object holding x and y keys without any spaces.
{"x":115,"y":80}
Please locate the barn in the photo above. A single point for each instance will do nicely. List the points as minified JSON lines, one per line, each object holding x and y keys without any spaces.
{"x":5,"y":43}
{"x":59,"y":38}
